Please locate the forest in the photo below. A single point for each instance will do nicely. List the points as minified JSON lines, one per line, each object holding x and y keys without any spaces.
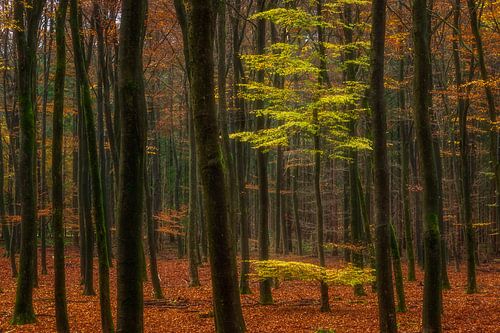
{"x":234,"y":166}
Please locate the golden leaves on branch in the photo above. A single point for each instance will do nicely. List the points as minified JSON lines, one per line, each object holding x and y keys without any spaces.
{"x":170,"y":221}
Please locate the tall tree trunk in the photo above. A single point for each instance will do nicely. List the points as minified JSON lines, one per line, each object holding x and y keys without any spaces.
{"x":241,"y":160}
{"x":27,"y":17}
{"x":97,"y":194}
{"x":322,"y":80}
{"x":102,"y":104}
{"x":432,"y":239}
{"x":130,"y":302}
{"x":227,"y":306}
{"x":223,"y":114}
{"x":494,"y":144}
{"x":62,"y":323}
{"x":464,"y":157}
{"x":356,"y":213}
{"x":43,"y":163}
{"x":385,"y":292}
{"x":266,"y":296}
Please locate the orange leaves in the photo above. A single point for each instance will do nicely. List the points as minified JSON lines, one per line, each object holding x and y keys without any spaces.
{"x":170,"y":221}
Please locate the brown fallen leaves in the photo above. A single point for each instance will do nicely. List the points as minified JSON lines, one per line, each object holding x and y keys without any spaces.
{"x":296,"y":307}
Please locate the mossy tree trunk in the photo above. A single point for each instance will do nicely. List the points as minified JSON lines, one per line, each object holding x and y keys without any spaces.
{"x":226,"y":297}
{"x":27,"y":16}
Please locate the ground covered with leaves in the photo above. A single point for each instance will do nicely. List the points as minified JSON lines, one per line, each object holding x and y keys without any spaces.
{"x":296,"y":307}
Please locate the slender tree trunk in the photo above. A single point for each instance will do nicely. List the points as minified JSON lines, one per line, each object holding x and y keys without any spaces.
{"x":43,"y":167}
{"x":101,"y":105}
{"x":262,"y":160}
{"x":464,"y":157}
{"x":241,"y":160}
{"x":398,"y":272}
{"x":97,"y":194}
{"x":385,"y":292}
{"x":296,"y":217}
{"x":277,"y":200}
{"x":494,"y":144}
{"x":322,"y":80}
{"x":153,"y":262}
{"x":223,"y":114}
{"x":432,"y":239}
{"x":62,"y":323}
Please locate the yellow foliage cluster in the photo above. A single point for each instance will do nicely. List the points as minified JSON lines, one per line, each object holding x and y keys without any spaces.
{"x":292,"y":270}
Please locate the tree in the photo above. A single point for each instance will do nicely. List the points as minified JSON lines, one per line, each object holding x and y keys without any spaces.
{"x":95,"y":176}
{"x":227,"y":306}
{"x":421,"y":100}
{"x":62,"y":323}
{"x":466,"y":187}
{"x":385,"y":292}
{"x":27,"y":16}
{"x":494,"y":144}
{"x":265,"y":295}
{"x":132,"y":164}
{"x":322,"y":80}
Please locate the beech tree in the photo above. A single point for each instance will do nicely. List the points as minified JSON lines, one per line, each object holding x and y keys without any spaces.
{"x":227,"y":305}
{"x":132,"y":167}
{"x":62,"y":323}
{"x":27,"y":16}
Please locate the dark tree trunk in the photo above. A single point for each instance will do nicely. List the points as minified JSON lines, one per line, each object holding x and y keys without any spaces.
{"x":322,"y":80}
{"x":97,"y":194}
{"x":130,"y":301}
{"x":296,"y":217}
{"x":153,"y":262}
{"x":27,"y":16}
{"x":432,"y":239}
{"x":62,"y":323}
{"x":494,"y":143}
{"x":464,"y":158}
{"x":356,"y":213}
{"x":385,"y":292}
{"x":266,"y":296}
{"x":226,"y":297}
{"x":194,"y":280}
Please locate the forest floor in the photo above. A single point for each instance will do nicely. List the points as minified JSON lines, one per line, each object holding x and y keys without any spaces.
{"x":296,"y":307}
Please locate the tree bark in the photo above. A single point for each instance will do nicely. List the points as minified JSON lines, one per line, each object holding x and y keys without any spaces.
{"x":27,"y":16}
{"x":95,"y":176}
{"x":385,"y":292}
{"x":432,"y":239}
{"x":133,"y":130}
{"x":62,"y":323}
